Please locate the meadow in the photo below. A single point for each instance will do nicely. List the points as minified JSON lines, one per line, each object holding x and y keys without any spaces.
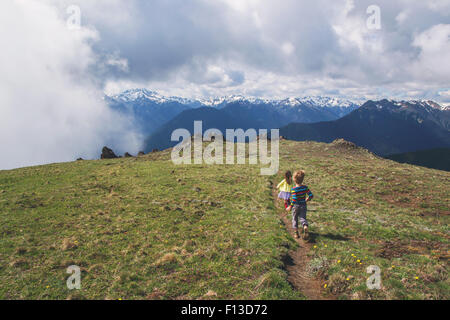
{"x":143,"y":228}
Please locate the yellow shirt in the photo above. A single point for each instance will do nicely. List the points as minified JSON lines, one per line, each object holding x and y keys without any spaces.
{"x":284,"y":186}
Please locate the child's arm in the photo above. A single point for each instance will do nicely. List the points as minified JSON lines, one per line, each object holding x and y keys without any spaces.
{"x":290,"y":204}
{"x":310,"y":195}
{"x":279,"y":185}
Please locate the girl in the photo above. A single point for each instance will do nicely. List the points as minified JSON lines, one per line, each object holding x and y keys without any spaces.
{"x":285,"y":187}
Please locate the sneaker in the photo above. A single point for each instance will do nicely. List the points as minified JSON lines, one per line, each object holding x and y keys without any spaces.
{"x":305,"y":232}
{"x":296,"y":235}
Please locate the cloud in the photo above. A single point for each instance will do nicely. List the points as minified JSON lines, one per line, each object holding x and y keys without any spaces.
{"x":51,"y":107}
{"x":199,"y":45}
{"x":52,"y":77}
{"x":433,"y":61}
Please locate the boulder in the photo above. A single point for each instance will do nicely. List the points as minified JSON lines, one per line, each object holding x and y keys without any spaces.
{"x":107,"y":153}
{"x":127,"y":155}
{"x":141,"y":153}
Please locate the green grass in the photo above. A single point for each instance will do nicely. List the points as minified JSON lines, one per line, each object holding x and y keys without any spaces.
{"x":371,"y":211}
{"x":140,"y":229}
{"x":143,"y":228}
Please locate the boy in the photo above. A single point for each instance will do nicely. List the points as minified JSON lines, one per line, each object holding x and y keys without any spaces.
{"x":299,"y":194}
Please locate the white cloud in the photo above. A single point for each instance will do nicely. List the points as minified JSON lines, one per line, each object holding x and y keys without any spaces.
{"x":433,"y":62}
{"x":51,"y":109}
{"x":445,"y":93}
{"x":164,"y":42}
{"x":439,"y":5}
{"x":113,"y":60}
{"x":288,"y":48}
{"x":201,"y":48}
{"x":402,"y":16}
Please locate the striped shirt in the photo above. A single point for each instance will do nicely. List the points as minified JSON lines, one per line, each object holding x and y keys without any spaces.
{"x":298,"y":195}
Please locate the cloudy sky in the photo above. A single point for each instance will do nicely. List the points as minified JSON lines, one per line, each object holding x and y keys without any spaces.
{"x":271,"y":48}
{"x":58,"y":57}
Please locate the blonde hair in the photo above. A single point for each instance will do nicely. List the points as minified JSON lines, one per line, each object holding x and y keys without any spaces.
{"x":299,"y":177}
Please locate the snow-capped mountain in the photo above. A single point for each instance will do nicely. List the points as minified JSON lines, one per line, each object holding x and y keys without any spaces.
{"x":318,"y":101}
{"x":222,"y":101}
{"x":140,"y":95}
{"x":246,"y":113}
{"x":156,"y":115}
{"x":152,"y":96}
{"x":384,"y":127}
{"x":425,"y":104}
{"x":134,"y":95}
{"x":149,"y":110}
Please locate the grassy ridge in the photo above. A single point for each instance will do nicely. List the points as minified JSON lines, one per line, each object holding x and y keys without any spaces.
{"x":143,"y":228}
{"x":370,"y":211}
{"x":140,"y":229}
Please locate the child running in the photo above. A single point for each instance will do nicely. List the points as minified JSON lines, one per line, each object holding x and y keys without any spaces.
{"x":300,"y":196}
{"x":285,"y":187}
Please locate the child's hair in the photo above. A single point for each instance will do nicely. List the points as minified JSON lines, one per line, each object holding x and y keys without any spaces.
{"x":299,"y":177}
{"x":288,"y":177}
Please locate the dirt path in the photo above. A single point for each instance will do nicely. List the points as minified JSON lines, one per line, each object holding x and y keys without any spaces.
{"x":297,"y":262}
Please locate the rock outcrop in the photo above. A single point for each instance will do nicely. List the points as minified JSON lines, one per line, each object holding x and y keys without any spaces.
{"x":344,"y":144}
{"x":107,"y":153}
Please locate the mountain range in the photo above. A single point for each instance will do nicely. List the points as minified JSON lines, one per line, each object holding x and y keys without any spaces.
{"x":384,"y":127}
{"x":151,"y":111}
{"x":243,"y":115}
{"x":146,"y":109}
